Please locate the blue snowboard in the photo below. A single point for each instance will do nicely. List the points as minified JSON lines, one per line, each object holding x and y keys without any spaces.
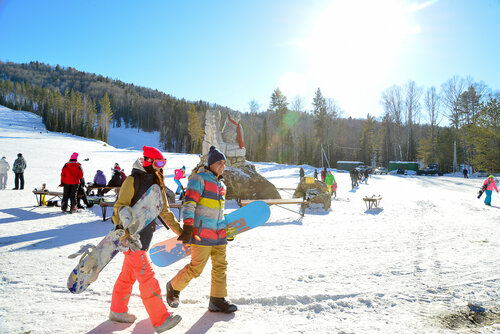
{"x":243,"y":219}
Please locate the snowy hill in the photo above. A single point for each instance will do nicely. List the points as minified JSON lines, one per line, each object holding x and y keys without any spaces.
{"x":411,"y":266}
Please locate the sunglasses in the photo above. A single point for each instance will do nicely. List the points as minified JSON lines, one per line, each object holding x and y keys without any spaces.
{"x":159,"y":162}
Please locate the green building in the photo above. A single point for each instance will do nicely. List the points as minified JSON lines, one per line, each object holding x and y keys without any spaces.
{"x":348,"y":165}
{"x":406,"y":165}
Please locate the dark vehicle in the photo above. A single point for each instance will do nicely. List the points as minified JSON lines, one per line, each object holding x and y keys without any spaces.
{"x":432,"y":169}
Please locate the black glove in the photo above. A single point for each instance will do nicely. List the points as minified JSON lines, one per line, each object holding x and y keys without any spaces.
{"x":185,"y":236}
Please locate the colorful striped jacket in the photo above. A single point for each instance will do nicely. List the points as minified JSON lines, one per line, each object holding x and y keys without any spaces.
{"x":204,"y":208}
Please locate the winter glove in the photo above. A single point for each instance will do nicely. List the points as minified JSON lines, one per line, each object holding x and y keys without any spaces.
{"x":185,"y":236}
{"x":231,"y":233}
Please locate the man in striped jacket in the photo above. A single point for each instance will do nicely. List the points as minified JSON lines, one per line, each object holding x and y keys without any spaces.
{"x":205,"y":231}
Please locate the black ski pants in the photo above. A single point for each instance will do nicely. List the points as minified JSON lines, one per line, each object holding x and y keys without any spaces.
{"x":19,"y":177}
{"x":69,"y":192}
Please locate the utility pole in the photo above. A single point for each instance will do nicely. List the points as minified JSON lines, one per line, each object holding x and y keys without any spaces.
{"x":455,"y":168}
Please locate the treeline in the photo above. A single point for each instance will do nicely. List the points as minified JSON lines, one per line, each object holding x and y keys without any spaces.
{"x":131,"y":106}
{"x":409,"y":130}
{"x":429,"y":125}
{"x":69,"y":112}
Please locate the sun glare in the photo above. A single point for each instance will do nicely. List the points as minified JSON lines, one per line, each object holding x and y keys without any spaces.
{"x":354,"y":43}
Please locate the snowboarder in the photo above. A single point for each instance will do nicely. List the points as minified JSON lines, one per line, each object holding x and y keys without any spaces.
{"x":205,"y":232}
{"x":178,"y":175}
{"x":18,"y":169}
{"x":71,"y":174}
{"x":466,"y":172}
{"x":99,"y":181}
{"x":490,"y":184}
{"x":136,"y":266}
{"x":4,"y":168}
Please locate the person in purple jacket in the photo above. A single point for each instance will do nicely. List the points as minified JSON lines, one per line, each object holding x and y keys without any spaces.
{"x":100,"y":181}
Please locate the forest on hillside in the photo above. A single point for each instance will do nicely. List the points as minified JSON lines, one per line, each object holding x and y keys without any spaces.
{"x":425,"y":124}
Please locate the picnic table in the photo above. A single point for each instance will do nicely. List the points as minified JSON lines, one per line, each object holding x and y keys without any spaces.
{"x":279,"y":202}
{"x":41,"y":195}
{"x":90,"y":188}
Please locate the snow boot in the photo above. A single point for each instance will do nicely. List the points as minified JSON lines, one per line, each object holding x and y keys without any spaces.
{"x":169,"y":323}
{"x":221,"y":305}
{"x":172,"y":296}
{"x":124,"y":317}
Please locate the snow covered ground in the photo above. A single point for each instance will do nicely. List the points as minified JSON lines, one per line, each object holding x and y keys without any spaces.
{"x":411,"y":266}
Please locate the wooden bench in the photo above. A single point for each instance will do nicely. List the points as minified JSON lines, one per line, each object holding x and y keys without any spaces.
{"x":90,"y":188}
{"x":105,"y":205}
{"x":279,"y":202}
{"x":372,"y":202}
{"x":42,"y":194}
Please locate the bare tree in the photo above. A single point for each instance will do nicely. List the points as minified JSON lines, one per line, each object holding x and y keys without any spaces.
{"x":450,"y":92}
{"x":297,"y":104}
{"x":392,"y":102}
{"x":413,"y":93}
{"x":432,"y":104}
{"x":254,"y":106}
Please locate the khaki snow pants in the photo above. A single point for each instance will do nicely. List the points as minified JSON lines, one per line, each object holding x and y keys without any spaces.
{"x":199,"y":258}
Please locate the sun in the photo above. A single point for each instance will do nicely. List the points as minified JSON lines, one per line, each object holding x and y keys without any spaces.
{"x":354,"y":43}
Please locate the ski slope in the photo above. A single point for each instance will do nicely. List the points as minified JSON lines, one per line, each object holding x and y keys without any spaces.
{"x":407,"y":267}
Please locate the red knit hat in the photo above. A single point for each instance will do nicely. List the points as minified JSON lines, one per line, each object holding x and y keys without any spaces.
{"x":151,"y":152}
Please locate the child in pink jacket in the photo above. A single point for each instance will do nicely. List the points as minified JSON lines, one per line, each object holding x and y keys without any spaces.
{"x":179,"y":174}
{"x":490,"y":184}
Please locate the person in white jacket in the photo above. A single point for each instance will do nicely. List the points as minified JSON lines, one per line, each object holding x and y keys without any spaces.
{"x":4,"y":168}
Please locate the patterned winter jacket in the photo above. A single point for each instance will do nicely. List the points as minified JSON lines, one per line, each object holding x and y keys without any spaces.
{"x":19,"y":165}
{"x":204,"y":208}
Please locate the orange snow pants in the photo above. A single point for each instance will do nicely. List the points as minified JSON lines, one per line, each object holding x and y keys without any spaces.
{"x":199,"y":258}
{"x":136,"y":267}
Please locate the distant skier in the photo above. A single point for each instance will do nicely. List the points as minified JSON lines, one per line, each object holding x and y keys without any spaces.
{"x":71,"y":175}
{"x":366,"y":174}
{"x":18,"y":169}
{"x":4,"y":168}
{"x":466,"y":172}
{"x":178,"y":175}
{"x":354,"y":178}
{"x":136,"y":266}
{"x":490,"y":184}
{"x":301,"y":172}
{"x":330,"y":182}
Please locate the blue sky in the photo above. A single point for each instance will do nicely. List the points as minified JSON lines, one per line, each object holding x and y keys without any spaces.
{"x":231,"y":52}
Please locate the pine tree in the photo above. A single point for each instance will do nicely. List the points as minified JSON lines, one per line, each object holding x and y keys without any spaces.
{"x":106,"y":116}
{"x":195,"y":130}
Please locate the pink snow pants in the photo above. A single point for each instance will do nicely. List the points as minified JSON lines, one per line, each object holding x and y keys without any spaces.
{"x":136,"y":266}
